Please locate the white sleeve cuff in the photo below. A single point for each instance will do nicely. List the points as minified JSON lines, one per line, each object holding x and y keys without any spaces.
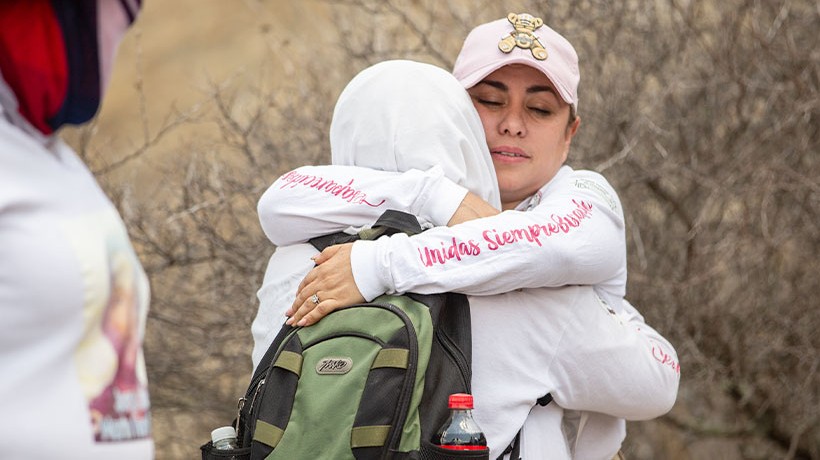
{"x":443,"y":201}
{"x":366,"y":271}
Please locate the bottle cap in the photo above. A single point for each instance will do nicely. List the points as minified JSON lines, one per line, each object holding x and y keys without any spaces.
{"x":460,"y":401}
{"x":223,"y":432}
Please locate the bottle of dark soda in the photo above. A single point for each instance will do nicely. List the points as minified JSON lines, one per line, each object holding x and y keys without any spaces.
{"x":460,"y":431}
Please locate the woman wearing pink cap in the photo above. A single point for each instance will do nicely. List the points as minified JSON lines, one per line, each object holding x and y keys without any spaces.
{"x":560,"y":227}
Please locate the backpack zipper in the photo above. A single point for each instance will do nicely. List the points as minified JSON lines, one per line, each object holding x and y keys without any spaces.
{"x":457,"y":358}
{"x":255,"y":394}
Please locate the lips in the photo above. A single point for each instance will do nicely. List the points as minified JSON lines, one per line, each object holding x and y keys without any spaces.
{"x":508,"y":153}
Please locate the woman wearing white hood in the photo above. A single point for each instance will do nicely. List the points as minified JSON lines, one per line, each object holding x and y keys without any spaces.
{"x":416,"y":118}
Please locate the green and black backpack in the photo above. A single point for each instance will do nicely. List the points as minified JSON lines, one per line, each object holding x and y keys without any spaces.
{"x":370,"y":381}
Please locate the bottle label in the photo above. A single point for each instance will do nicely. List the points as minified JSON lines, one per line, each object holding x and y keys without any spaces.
{"x":462,"y":447}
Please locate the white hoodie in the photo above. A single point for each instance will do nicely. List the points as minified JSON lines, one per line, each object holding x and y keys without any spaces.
{"x":564,"y":340}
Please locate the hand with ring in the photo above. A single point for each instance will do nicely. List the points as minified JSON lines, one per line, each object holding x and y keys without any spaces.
{"x":328,"y":286}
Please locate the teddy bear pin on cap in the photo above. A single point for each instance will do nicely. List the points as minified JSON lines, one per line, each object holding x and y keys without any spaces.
{"x":524,"y":35}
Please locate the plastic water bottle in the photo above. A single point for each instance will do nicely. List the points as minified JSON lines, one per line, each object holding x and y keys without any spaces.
{"x":224,"y":438}
{"x":460,"y":431}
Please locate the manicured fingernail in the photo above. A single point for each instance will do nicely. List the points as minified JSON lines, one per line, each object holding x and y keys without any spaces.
{"x":302,"y":322}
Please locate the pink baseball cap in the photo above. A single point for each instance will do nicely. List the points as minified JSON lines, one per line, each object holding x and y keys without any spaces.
{"x":519,"y":39}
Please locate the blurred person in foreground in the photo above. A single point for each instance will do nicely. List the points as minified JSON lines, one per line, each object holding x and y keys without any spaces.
{"x":73,"y":295}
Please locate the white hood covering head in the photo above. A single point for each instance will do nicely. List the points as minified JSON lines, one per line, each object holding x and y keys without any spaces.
{"x":400,"y":115}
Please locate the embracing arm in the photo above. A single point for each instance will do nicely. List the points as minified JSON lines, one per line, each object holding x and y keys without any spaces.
{"x":574,"y":236}
{"x":313,"y":201}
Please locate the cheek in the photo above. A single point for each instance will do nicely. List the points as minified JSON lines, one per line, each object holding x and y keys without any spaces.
{"x":488,"y":128}
{"x":509,"y":183}
{"x":550,"y":160}
{"x":487,"y":120}
{"x":556,"y":146}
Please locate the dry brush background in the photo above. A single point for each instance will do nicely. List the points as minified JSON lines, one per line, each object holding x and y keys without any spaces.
{"x":704,"y":115}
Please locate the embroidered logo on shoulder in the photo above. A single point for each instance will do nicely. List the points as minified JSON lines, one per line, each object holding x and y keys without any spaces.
{"x":334,"y":365}
{"x":586,"y":184}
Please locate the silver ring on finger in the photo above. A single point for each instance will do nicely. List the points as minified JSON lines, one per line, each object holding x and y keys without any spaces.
{"x":315,"y":299}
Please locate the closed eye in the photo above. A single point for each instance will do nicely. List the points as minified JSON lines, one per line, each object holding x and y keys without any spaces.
{"x":488,"y":102}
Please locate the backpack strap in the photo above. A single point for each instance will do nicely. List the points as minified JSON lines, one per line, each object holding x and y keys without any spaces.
{"x":514,"y":449}
{"x":398,"y":221}
{"x":389,"y":223}
{"x":544,"y":400}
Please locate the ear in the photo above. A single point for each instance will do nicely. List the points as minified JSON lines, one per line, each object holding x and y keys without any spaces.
{"x":538,"y":23}
{"x":572,"y":129}
{"x":512,"y":17}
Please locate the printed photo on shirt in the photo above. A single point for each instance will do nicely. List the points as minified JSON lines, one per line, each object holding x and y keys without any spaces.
{"x":109,"y":360}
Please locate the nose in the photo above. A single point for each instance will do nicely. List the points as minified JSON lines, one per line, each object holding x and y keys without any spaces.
{"x":512,"y":123}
